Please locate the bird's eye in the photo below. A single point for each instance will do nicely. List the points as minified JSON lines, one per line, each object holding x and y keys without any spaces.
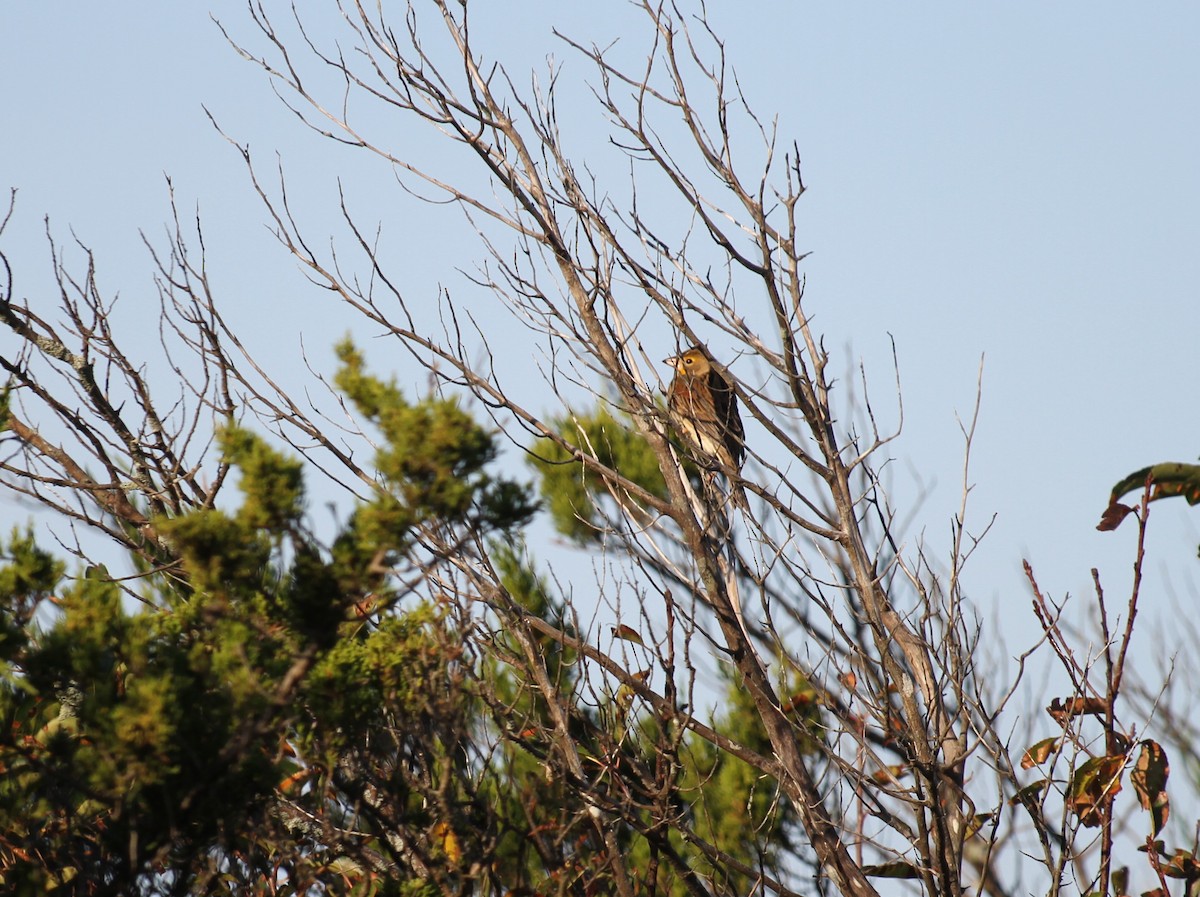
{"x":688,"y":360}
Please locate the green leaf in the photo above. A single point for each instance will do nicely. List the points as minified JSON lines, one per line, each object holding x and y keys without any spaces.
{"x":571,"y":490}
{"x":1167,"y":481}
{"x":1039,"y":753}
{"x":1120,"y":881}
{"x":1149,"y":780}
{"x":1029,"y":793}
{"x":1093,"y":786}
{"x":1182,"y":864}
{"x":272,"y":483}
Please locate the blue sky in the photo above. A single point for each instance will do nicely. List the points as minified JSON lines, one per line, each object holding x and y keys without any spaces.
{"x":1012,"y":180}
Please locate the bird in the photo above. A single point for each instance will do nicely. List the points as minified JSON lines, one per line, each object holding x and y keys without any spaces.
{"x":705,"y":409}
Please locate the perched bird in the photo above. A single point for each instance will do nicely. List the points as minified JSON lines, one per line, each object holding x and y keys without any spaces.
{"x":704,"y":408}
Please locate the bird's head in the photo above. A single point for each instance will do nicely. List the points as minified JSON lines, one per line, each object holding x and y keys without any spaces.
{"x":692,"y":363}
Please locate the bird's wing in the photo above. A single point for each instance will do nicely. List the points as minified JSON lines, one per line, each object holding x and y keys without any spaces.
{"x":730,"y":421}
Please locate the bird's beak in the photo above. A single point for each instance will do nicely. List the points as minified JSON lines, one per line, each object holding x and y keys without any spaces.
{"x":673,"y":361}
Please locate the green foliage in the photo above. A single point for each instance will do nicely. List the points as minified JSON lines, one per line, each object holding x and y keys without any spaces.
{"x":570,"y":490}
{"x":434,"y":457}
{"x":311,"y":598}
{"x":260,"y":671}
{"x":530,"y":591}
{"x":1168,"y":480}
{"x":522,"y":784}
{"x":721,"y":799}
{"x":218,"y":553}
{"x":735,"y":807}
{"x":29,"y":572}
{"x":27,"y":578}
{"x":122,"y":724}
{"x":403,"y":664}
{"x":521,"y":580}
{"x":273,"y":485}
{"x":729,"y":804}
{"x":144,"y":736}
